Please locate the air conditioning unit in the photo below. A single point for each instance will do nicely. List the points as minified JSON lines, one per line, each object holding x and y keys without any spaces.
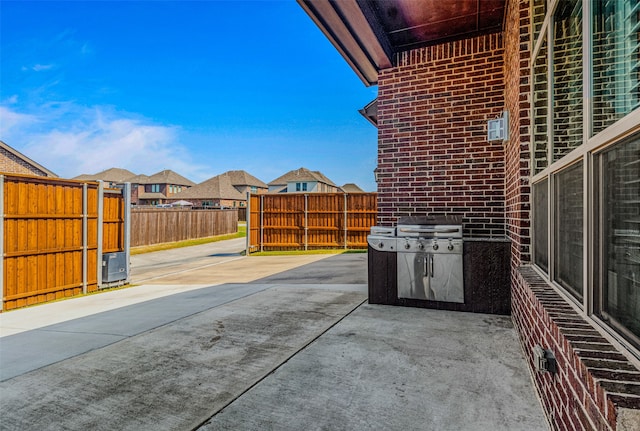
{"x":498,"y":129}
{"x":114,"y":267}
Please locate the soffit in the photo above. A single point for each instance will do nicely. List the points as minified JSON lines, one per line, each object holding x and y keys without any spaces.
{"x":368,"y":33}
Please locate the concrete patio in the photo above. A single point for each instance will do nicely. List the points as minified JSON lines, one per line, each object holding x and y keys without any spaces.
{"x":296,"y":347}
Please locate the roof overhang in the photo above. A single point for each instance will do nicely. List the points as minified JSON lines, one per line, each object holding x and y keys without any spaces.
{"x":370,"y":112}
{"x":369,"y":33}
{"x":346,"y":26}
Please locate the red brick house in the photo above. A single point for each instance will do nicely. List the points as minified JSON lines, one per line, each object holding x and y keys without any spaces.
{"x":145,"y":190}
{"x":14,"y":162}
{"x":303,"y":180}
{"x":158,"y":188}
{"x":562,"y":186}
{"x":227,"y":190}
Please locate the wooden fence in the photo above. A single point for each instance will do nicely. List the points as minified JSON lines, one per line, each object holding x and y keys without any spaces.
{"x":160,"y":225}
{"x":50,"y":237}
{"x":310,"y":221}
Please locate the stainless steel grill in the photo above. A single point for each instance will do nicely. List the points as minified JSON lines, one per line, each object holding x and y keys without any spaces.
{"x":429,"y":257}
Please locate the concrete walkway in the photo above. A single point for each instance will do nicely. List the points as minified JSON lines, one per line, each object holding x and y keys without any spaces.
{"x":288,"y":347}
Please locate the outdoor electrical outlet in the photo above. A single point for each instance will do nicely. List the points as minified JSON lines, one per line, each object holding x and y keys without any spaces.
{"x":544,"y":360}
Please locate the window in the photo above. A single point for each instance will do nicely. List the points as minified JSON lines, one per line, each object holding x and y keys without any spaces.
{"x":616,"y":63}
{"x":254,"y":189}
{"x":540,"y":224}
{"x":301,"y":187}
{"x":155,"y":188}
{"x":567,"y":77}
{"x":618,"y":299}
{"x":540,"y":109}
{"x":585,"y":157}
{"x":568,"y":226}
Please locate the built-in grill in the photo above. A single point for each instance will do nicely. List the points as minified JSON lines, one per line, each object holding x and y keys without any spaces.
{"x":428,"y":257}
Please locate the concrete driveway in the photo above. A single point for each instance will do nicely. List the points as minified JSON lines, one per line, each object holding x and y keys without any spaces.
{"x":292,"y":345}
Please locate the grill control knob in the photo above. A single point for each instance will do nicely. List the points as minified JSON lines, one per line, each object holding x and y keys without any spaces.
{"x":450,"y":246}
{"x":381,"y":245}
{"x":436,"y":246}
{"x":407,"y":246}
{"x":421,"y":246}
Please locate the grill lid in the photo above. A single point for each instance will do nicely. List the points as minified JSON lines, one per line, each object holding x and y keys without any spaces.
{"x":430,"y":220}
{"x":430,"y":227}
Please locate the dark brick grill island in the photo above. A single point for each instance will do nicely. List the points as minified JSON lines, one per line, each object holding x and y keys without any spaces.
{"x":425,"y":262}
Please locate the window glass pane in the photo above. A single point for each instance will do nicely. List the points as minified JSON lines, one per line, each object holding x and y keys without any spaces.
{"x":567,"y":77}
{"x":540,"y":109}
{"x":568,"y":241}
{"x":616,"y":60}
{"x":620,"y":225}
{"x":540,"y":225}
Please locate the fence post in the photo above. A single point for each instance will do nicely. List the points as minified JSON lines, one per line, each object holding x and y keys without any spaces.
{"x":247,"y":243}
{"x":2,"y":240}
{"x":127,"y":228}
{"x":346,"y":219}
{"x":306,"y":221}
{"x":100,"y":241}
{"x":261,"y":222}
{"x":84,"y":238}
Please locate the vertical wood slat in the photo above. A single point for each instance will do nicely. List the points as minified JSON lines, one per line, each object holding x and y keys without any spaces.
{"x":50,"y":239}
{"x":300,"y":221}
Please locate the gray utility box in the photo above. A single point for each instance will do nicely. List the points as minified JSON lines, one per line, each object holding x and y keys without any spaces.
{"x":114,"y":267}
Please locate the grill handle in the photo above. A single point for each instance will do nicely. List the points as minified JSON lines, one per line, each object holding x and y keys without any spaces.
{"x":408,"y":230}
{"x":431,"y":265}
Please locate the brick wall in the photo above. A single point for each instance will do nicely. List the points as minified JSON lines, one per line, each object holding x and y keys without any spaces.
{"x":596,"y":387}
{"x":517,"y":95}
{"x":10,"y":163}
{"x":433,"y":154}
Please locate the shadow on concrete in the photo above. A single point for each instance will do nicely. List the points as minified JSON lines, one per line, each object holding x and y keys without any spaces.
{"x":348,"y":268}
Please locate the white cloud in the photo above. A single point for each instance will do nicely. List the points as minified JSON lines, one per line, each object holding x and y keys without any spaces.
{"x":11,"y":120}
{"x":41,"y":67}
{"x":72,"y":140}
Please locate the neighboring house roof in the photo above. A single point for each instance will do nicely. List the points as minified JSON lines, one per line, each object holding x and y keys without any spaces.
{"x":243,"y":178}
{"x":151,"y":195}
{"x":279,"y":189}
{"x":218,"y":187}
{"x":351,"y":188}
{"x":27,"y":160}
{"x":167,"y":177}
{"x":117,"y":175}
{"x":302,"y":174}
{"x":139,"y":179}
{"x":112,"y":175}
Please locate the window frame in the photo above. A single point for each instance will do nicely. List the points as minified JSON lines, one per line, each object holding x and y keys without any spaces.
{"x":592,"y":145}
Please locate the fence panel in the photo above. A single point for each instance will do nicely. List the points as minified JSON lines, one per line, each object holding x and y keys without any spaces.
{"x":310,"y":221}
{"x":113,"y":221}
{"x":161,"y":225}
{"x":50,"y":239}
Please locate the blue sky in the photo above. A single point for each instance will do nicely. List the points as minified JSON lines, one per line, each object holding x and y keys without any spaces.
{"x":200,"y":87}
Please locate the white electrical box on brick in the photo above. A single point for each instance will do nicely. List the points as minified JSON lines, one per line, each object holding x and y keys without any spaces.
{"x":497,"y":130}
